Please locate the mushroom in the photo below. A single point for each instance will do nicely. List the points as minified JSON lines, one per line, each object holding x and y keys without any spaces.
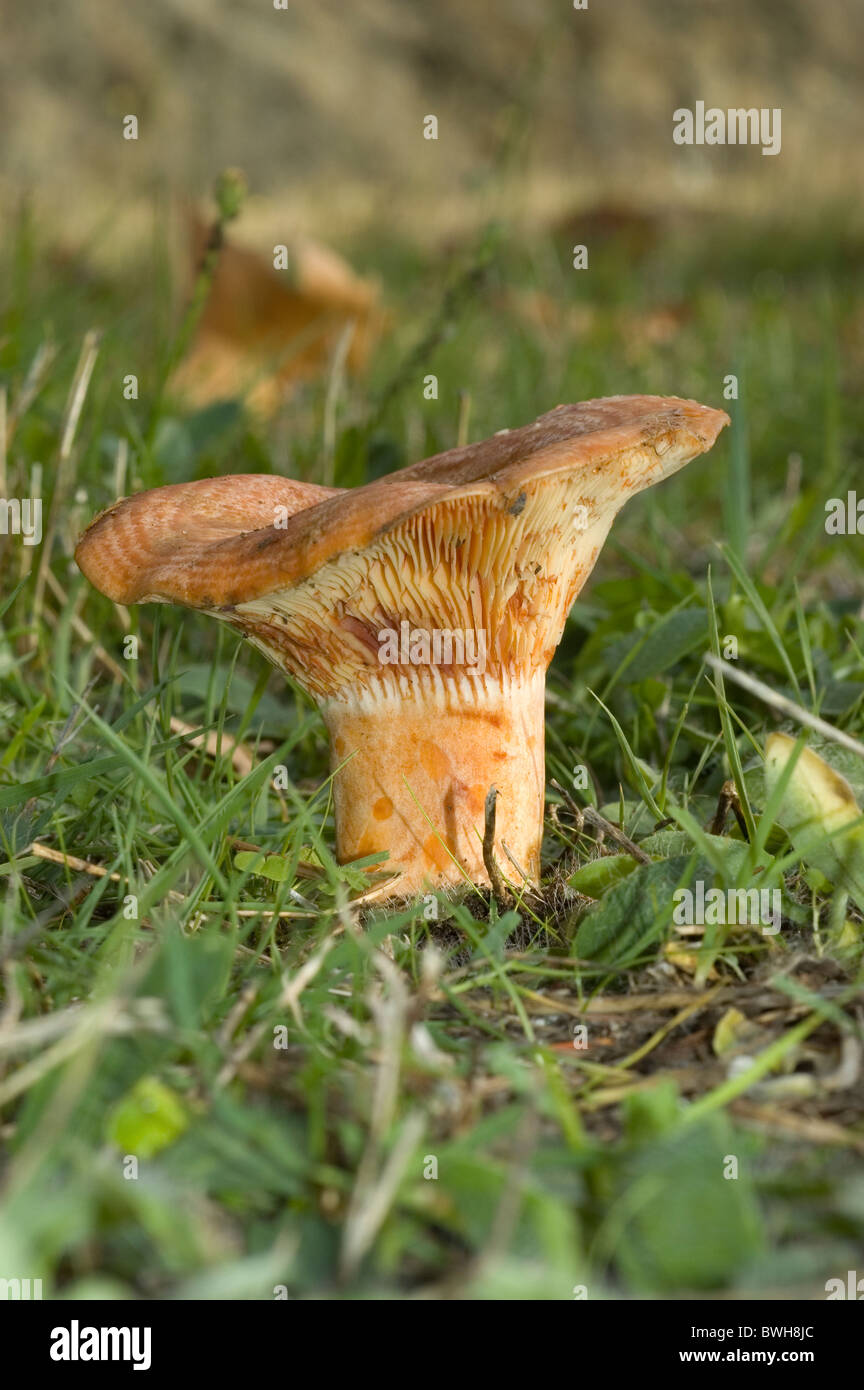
{"x":262,"y":330}
{"x":420,"y":611}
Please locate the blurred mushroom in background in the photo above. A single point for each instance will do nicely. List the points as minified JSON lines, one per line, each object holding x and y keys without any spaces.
{"x":270,"y":322}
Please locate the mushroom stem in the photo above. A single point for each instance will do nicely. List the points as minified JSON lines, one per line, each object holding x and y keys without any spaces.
{"x":413,"y":768}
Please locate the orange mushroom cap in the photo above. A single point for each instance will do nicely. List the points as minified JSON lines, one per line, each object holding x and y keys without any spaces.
{"x":221,"y":542}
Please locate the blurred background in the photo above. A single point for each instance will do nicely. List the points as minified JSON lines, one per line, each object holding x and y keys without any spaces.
{"x":541,"y":108}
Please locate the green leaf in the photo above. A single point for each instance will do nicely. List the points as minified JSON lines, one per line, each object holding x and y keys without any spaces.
{"x":599,"y":875}
{"x":674,"y":637}
{"x":687,"y":1222}
{"x":271,"y":866}
{"x":147,"y":1119}
{"x":634,"y":914}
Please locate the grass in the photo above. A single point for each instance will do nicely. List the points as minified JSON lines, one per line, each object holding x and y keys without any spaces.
{"x":221,"y":1079}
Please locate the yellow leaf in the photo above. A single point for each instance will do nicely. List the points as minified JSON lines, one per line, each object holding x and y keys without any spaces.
{"x":733,"y":1029}
{"x":817,"y":804}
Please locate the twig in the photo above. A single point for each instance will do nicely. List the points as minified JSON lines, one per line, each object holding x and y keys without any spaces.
{"x":69,"y":861}
{"x":526,"y":881}
{"x":814,"y":1130}
{"x":588,"y":816}
{"x":499,"y":889}
{"x":726,"y":802}
{"x":781,"y":702}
